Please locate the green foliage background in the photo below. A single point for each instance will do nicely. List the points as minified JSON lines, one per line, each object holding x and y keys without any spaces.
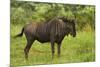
{"x":78,"y":49}
{"x":25,"y":12}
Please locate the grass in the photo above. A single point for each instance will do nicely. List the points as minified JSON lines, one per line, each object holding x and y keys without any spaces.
{"x":73,"y":50}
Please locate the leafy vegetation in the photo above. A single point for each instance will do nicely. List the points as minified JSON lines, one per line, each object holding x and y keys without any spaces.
{"x":78,"y":49}
{"x":26,"y":12}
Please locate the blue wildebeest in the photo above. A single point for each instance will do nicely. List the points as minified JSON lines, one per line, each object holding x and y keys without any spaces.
{"x":52,"y":31}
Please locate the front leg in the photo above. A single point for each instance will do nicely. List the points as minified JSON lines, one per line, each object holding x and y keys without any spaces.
{"x":59,"y":45}
{"x":53,"y":49}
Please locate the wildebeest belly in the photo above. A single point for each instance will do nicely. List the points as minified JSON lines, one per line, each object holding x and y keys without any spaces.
{"x":43,"y":38}
{"x":42,"y":34}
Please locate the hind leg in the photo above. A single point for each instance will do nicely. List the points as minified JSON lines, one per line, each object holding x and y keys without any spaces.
{"x":27,"y":48}
{"x":30,"y":41}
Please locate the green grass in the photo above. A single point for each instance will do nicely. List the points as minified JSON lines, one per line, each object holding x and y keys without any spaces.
{"x":73,"y":50}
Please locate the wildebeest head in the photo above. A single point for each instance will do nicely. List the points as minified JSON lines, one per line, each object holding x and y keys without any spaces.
{"x":70,"y":25}
{"x":72,"y":28}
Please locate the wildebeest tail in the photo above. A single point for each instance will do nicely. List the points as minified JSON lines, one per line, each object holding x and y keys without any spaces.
{"x":20,"y":34}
